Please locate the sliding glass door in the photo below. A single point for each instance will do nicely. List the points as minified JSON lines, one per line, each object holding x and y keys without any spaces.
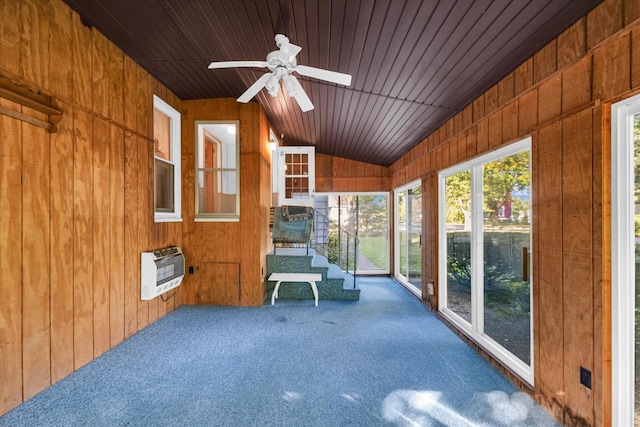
{"x":625,"y":261}
{"x":408,"y":236}
{"x":484,"y":254}
{"x":365,"y":216}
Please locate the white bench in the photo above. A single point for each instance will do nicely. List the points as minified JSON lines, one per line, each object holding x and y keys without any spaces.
{"x":311,"y":278}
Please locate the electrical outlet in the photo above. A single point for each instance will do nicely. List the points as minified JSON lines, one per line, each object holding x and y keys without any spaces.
{"x":585,"y":377}
{"x":430,"y":289}
{"x":190,"y":269}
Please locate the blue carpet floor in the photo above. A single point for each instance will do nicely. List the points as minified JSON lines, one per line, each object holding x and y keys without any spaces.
{"x":381,"y":361}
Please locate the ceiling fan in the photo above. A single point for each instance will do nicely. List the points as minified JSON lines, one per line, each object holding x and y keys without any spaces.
{"x":281,"y":63}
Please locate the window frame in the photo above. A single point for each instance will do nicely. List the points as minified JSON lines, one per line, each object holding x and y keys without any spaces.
{"x":216,"y":217}
{"x":310,"y":176}
{"x":175,"y":148}
{"x":404,"y":280}
{"x":387,"y":196}
{"x":622,"y":261}
{"x":475,"y":329}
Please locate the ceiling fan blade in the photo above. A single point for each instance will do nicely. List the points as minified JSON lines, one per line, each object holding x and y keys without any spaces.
{"x":254,"y":88}
{"x":330,"y":76}
{"x":301,"y":96}
{"x":235,"y":64}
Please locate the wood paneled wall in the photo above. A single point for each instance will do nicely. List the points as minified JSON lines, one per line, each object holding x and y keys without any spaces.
{"x":229,"y":258}
{"x":561,"y":98}
{"x":76,"y":206}
{"x":335,"y":174}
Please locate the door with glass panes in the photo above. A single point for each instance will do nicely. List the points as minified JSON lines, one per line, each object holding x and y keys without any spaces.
{"x":296,"y":184}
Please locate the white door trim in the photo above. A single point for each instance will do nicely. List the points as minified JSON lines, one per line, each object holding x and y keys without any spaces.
{"x":623,"y":260}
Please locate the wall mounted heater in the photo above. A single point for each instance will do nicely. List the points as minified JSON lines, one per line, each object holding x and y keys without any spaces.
{"x":162,"y":270}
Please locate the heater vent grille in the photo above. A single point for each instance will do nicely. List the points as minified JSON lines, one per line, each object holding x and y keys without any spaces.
{"x":162,"y":270}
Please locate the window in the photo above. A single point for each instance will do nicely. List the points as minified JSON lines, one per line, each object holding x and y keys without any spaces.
{"x":408,"y":236}
{"x":625,"y":261}
{"x":484,"y":253}
{"x":217,"y":171}
{"x":296,"y":184}
{"x":166,"y":138}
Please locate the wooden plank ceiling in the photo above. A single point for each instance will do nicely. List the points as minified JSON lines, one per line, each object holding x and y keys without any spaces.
{"x":414,"y":63}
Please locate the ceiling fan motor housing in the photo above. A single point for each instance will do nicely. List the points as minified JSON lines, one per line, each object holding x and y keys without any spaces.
{"x":280,"y":39}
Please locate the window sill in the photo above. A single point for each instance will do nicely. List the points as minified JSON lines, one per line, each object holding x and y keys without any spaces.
{"x":167,"y":218}
{"x":220,"y":219}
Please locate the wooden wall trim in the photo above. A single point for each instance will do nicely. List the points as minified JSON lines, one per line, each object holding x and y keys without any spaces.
{"x":33,"y":100}
{"x":64,"y":105}
{"x":28,"y":97}
{"x":50,"y":127}
{"x":603,"y":324}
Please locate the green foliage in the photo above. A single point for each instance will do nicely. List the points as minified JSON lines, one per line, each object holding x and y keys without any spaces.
{"x":636,"y":156}
{"x":501,"y":178}
{"x":509,"y":296}
{"x":458,"y":197}
{"x":459,"y":273}
{"x":412,"y":196}
{"x":511,"y":299}
{"x":371,"y":214}
{"x":364,"y":216}
{"x":413,"y":250}
{"x":343,"y":256}
{"x":332,"y":248}
{"x":374,"y":248}
{"x":504,"y":289}
{"x":637,"y":310}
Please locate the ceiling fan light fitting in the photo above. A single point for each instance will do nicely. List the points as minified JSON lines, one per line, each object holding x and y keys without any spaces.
{"x":273,"y":85}
{"x":289,"y":85}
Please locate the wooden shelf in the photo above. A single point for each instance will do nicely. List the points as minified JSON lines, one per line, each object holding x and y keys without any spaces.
{"x":32,"y":99}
